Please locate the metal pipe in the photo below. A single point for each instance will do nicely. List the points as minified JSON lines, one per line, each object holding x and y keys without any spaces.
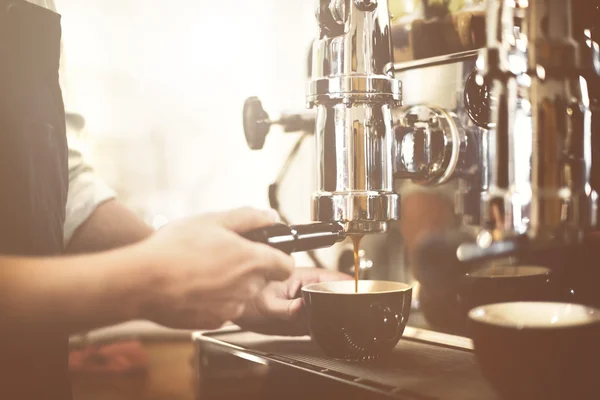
{"x":540,"y":139}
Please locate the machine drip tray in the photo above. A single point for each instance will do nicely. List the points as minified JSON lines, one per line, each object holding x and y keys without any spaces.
{"x":417,"y":369}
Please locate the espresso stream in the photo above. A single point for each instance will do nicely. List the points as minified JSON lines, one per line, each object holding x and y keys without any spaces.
{"x":356,"y":242}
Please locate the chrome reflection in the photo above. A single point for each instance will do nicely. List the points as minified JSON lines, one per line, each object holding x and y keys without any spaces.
{"x":353,"y":89}
{"x":540,"y":144}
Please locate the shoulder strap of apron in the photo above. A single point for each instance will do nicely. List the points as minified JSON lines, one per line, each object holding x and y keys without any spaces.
{"x":33,"y":187}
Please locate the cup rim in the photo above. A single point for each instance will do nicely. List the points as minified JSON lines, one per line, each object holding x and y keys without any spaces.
{"x":533,"y":272}
{"x":314,"y":287}
{"x":478,"y":315}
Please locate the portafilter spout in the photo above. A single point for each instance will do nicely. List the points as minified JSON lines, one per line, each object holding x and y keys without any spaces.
{"x":353,"y":89}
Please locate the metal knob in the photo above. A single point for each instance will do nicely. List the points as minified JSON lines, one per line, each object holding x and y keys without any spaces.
{"x":331,"y":16}
{"x":427,"y":145}
{"x":366,"y":5}
{"x":257,"y":123}
{"x":477,"y":100}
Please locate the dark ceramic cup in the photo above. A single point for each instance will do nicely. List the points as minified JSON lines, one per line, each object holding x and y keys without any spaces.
{"x":446,"y":307}
{"x":357,"y":326}
{"x":538,"y":350}
{"x":502,"y":284}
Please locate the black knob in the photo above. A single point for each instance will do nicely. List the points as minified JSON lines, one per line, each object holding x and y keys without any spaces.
{"x":477,"y":101}
{"x":256,"y":123}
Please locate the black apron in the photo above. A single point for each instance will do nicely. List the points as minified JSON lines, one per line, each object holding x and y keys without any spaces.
{"x":33,"y":188}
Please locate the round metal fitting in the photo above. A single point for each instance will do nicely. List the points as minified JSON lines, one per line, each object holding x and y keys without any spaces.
{"x":366,"y":5}
{"x":358,"y":211}
{"x":331,"y":16}
{"x":378,"y":88}
{"x":427,"y":146}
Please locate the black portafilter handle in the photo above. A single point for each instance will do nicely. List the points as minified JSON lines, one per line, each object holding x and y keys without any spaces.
{"x":444,"y":257}
{"x":297,"y":238}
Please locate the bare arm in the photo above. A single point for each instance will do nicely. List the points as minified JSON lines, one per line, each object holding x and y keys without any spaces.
{"x":59,"y":292}
{"x":196,"y":274}
{"x":110,"y":225}
{"x":95,"y":221}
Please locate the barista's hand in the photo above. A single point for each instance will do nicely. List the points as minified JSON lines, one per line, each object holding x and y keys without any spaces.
{"x":279,"y":309}
{"x":204,"y":273}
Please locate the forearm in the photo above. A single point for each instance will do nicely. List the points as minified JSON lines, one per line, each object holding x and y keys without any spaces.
{"x":110,"y":226}
{"x":73,"y":293}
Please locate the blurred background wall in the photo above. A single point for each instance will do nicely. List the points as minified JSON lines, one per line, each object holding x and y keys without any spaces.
{"x":161,"y":85}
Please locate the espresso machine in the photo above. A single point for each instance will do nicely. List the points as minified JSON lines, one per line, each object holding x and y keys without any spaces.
{"x":473,"y":123}
{"x":506,"y":134}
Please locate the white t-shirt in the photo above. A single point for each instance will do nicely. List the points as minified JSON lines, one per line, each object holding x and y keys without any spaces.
{"x":86,"y":190}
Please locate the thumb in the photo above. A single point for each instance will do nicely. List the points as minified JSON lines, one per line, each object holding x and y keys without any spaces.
{"x":245,"y":219}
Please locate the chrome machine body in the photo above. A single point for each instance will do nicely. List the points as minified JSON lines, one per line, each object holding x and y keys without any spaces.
{"x":538,"y":180}
{"x":525,"y":152}
{"x":353,"y":89}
